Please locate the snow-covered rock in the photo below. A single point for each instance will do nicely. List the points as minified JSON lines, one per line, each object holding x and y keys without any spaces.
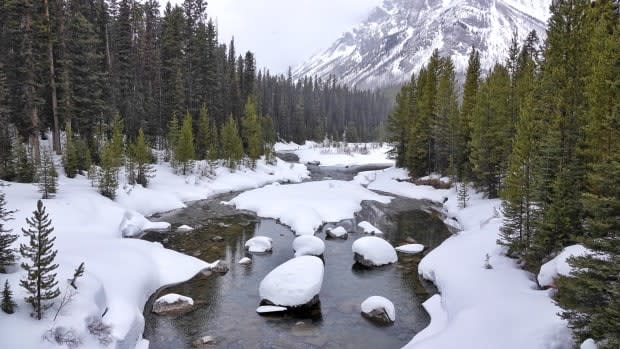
{"x":258,"y":244}
{"x":270,"y":309}
{"x":372,"y":251}
{"x":308,"y":245}
{"x":369,"y":228}
{"x":337,"y":233}
{"x":588,"y":344}
{"x":184,"y":229}
{"x":379,"y":309}
{"x":410,"y":248}
{"x":133,"y":224}
{"x":172,"y":304}
{"x":559,"y":265}
{"x":219,"y":266}
{"x":245,"y":261}
{"x":303,"y":206}
{"x":296,"y":282}
{"x":203,"y":341}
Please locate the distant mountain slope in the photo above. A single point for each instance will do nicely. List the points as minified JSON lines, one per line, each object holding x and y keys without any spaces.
{"x":399,"y":36}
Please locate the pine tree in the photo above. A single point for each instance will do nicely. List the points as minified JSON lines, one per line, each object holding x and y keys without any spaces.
{"x":48,"y":177}
{"x":25,"y":169}
{"x":108,"y":172}
{"x":202,"y":136}
{"x":70,"y":159}
{"x":232,"y":146}
{"x":117,"y":146}
{"x":463,"y":137}
{"x":140,"y":157}
{"x":7,"y":253}
{"x":252,"y":132}
{"x":462,"y":194}
{"x":184,"y":151}
{"x":8,"y":304}
{"x":40,"y":282}
{"x":173,"y":137}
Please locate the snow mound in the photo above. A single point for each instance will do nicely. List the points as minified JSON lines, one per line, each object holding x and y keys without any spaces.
{"x":337,"y":233}
{"x":133,"y":224}
{"x":369,"y":228}
{"x":245,"y":260}
{"x":588,"y":344}
{"x":374,"y":251}
{"x":302,"y":206}
{"x":184,"y":229}
{"x":174,"y":298}
{"x":559,"y":265}
{"x":294,"y":283}
{"x":258,"y":244}
{"x":379,"y":305}
{"x":267,"y":309}
{"x":308,"y":245}
{"x":410,"y":248}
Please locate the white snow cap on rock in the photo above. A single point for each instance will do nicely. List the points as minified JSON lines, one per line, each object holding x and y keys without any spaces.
{"x":369,"y":228}
{"x":293,"y":283}
{"x":379,"y":303}
{"x":245,"y":260}
{"x":410,"y":248}
{"x":133,"y":224}
{"x":338,"y":232}
{"x":258,"y":244}
{"x":173,"y":298}
{"x":308,"y":245}
{"x":559,"y":265}
{"x":376,"y":250}
{"x":588,"y":344}
{"x":266,"y":309}
{"x":184,"y":229}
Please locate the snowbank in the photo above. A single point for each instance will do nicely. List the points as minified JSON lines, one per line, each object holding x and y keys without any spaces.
{"x":559,"y":265}
{"x":294,"y":283}
{"x":308,"y":245}
{"x":374,"y":251}
{"x":339,"y":154}
{"x":306,"y":206}
{"x":120,"y":273}
{"x":496,"y":308}
{"x":258,"y":244}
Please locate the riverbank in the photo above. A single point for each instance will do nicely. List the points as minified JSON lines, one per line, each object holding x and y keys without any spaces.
{"x":121,"y":273}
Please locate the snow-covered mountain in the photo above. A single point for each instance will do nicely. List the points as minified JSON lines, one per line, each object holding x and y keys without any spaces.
{"x":399,"y":36}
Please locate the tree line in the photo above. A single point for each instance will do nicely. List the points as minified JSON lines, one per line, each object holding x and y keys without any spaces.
{"x":542,"y":132}
{"x":77,"y":64}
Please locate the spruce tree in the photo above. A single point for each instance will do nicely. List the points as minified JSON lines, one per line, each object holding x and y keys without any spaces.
{"x":202,"y":136}
{"x":48,"y":177}
{"x":173,"y":137}
{"x":232,"y":146}
{"x":8,"y":305}
{"x":25,"y":169}
{"x":252,"y":133}
{"x":108,"y":172}
{"x":7,"y":253}
{"x":70,"y":160}
{"x":40,"y":282}
{"x":184,"y":152}
{"x":462,"y":147}
{"x":117,"y":146}
{"x":140,"y":156}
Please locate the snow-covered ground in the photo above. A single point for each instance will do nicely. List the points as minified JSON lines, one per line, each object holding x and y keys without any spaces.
{"x":120,"y":273}
{"x":500,"y":307}
{"x":338,"y":154}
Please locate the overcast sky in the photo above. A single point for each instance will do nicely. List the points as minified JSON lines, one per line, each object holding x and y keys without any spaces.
{"x":284,"y":33}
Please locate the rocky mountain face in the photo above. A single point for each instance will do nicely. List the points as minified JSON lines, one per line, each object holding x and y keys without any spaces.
{"x":399,"y":36}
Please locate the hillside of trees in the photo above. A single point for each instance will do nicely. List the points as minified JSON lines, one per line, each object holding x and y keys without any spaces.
{"x":541,"y":131}
{"x":78,"y":64}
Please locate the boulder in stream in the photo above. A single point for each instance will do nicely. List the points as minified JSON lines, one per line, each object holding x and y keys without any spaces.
{"x":258,"y":244}
{"x":379,"y":310}
{"x":337,"y":233}
{"x":293,"y":284}
{"x":308,"y":245}
{"x":371,"y":251}
{"x":172,"y":304}
{"x":203,"y":341}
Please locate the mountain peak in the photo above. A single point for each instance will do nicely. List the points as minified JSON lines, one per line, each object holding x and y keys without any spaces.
{"x":398,"y":37}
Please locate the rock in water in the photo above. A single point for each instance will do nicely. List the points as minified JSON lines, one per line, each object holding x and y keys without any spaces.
{"x":203,"y":341}
{"x":369,"y":228}
{"x":245,"y":261}
{"x":270,"y":309}
{"x":410,"y":248}
{"x":379,"y":310}
{"x":337,"y":233}
{"x":172,"y":304}
{"x":371,"y":251}
{"x":220,"y":267}
{"x":184,"y":229}
{"x":295,"y":283}
{"x":308,"y":245}
{"x":258,"y":244}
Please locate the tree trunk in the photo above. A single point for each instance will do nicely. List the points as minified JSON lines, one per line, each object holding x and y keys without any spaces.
{"x":31,"y":106}
{"x":50,"y":56}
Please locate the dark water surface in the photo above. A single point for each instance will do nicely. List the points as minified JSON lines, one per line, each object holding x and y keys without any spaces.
{"x":226,"y":304}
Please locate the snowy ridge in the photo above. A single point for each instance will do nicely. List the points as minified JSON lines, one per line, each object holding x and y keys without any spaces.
{"x":399,"y":36}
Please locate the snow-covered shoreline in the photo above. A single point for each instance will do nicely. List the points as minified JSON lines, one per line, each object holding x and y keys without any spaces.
{"x":477,"y":307}
{"x":121,"y":274}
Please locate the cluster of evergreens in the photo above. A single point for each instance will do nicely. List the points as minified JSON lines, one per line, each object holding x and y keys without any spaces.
{"x":76,"y":64}
{"x":541,"y":131}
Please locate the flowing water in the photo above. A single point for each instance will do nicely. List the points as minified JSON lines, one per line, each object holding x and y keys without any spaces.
{"x":226,"y":304}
